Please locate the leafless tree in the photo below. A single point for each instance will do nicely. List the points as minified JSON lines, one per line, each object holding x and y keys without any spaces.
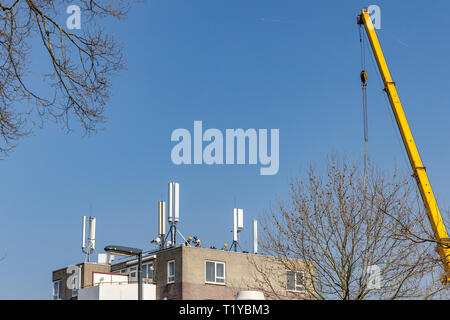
{"x":76,"y":65}
{"x":340,"y":227}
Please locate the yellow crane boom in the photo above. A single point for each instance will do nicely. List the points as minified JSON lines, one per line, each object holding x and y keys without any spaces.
{"x":419,"y":171}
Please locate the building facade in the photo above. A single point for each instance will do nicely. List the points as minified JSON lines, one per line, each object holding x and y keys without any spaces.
{"x":184,"y":273}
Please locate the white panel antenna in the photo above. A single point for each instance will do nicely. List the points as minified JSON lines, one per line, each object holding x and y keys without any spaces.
{"x":170,"y":200}
{"x":92,"y":233}
{"x":240,"y":220}
{"x":238,"y":225}
{"x":88,"y":245}
{"x":235,"y":225}
{"x":255,"y":236}
{"x":173,"y":211}
{"x":176,"y":200}
{"x":161,"y":218}
{"x":83,"y":234}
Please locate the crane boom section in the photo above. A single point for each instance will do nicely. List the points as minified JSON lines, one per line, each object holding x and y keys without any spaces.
{"x":419,"y":171}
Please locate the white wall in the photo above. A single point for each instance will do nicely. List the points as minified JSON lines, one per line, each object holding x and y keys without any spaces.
{"x":105,"y":277}
{"x":113,"y":291}
{"x":89,"y":293}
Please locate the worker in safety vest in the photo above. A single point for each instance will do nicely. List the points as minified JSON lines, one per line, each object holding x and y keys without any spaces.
{"x":196,"y":241}
{"x":188,"y":242}
{"x":225,"y":246}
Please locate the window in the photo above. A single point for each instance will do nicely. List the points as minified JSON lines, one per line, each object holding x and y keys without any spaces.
{"x":147,"y":271}
{"x":215,"y":272}
{"x":132,"y":274}
{"x":294,"y":281}
{"x":144,"y":271}
{"x":171,"y":271}
{"x":75,"y":286}
{"x":57,"y":290}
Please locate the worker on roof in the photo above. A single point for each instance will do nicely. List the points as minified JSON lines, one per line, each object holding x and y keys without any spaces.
{"x":196,"y":241}
{"x":188,"y":242}
{"x":225,"y":246}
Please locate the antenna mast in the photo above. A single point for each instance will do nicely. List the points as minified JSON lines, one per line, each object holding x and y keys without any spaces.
{"x":88,"y":245}
{"x":238,"y":225}
{"x":255,"y":236}
{"x":174,"y":211}
{"x":161,"y":223}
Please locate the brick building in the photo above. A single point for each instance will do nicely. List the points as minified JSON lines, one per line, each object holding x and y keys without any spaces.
{"x":185,"y":273}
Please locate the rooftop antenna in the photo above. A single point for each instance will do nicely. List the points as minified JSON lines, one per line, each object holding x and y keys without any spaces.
{"x":255,"y":236}
{"x":173,"y":212}
{"x":88,"y":243}
{"x":238,"y":225}
{"x":161,"y":222}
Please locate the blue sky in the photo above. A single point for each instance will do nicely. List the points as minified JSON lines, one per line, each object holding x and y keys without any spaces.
{"x":289,"y":65}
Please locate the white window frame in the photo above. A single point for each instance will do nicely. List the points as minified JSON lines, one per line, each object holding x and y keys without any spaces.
{"x":132,"y":279}
{"x":149,"y":267}
{"x":58,"y":295}
{"x":215,"y":273}
{"x":170,"y":278}
{"x":298,"y":287}
{"x":144,"y":271}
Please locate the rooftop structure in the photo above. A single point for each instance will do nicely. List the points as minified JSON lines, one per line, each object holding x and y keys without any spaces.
{"x":177,"y":271}
{"x":183,"y":273}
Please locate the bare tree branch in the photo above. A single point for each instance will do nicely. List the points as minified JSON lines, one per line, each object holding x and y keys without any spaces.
{"x":79,"y":63}
{"x":339,"y":228}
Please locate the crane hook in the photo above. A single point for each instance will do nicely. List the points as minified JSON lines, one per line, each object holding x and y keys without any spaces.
{"x":363,"y":76}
